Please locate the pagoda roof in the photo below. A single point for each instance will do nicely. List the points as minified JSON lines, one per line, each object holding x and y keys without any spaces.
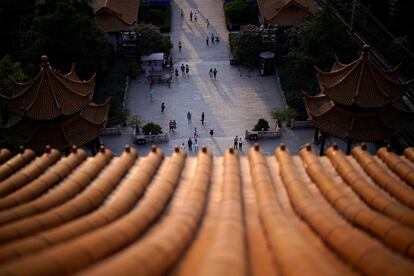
{"x":75,"y":130}
{"x":51,"y":94}
{"x":115,"y":15}
{"x":369,"y":126}
{"x":286,"y":12}
{"x":362,"y":83}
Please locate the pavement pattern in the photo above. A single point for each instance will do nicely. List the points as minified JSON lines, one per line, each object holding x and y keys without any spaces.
{"x":232,"y":103}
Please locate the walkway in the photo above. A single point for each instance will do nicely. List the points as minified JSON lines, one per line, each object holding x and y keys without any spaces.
{"x":232,"y":103}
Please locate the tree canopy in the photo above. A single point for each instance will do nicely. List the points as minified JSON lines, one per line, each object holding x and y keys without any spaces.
{"x":66,"y":31}
{"x":248,"y":45}
{"x":151,"y":40}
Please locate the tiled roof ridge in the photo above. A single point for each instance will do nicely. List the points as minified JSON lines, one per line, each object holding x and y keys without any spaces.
{"x":114,"y":236}
{"x":31,"y":171}
{"x":87,"y":201}
{"x":55,"y":173}
{"x":354,"y":246}
{"x":122,"y":201}
{"x":73,"y":183}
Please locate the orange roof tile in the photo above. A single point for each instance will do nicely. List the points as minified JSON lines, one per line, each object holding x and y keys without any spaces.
{"x":361,"y":83}
{"x":207,"y":215}
{"x":286,"y":12}
{"x":50,"y":94}
{"x":115,"y":15}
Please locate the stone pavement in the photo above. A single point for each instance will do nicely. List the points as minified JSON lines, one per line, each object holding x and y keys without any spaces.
{"x":232,"y":103}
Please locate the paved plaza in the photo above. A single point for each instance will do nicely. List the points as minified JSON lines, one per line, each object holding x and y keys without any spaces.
{"x":232,"y":103}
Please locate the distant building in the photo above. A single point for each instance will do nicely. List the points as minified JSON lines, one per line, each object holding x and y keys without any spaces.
{"x":285,"y":12}
{"x":115,"y":16}
{"x":56,"y":110}
{"x":359,"y":102}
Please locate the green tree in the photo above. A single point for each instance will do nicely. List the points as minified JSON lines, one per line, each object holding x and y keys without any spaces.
{"x":153,"y":128}
{"x":66,"y":31}
{"x":151,"y":40}
{"x":248,"y":45}
{"x":262,"y":124}
{"x":9,"y":72}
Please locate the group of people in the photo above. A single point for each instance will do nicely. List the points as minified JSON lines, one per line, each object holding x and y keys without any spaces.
{"x":212,"y":73}
{"x":172,"y":124}
{"x":238,"y":143}
{"x":190,"y":145}
{"x":214,"y":38}
{"x":185,"y":70}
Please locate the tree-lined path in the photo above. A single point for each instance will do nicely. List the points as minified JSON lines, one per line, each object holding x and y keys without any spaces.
{"x":232,"y":103}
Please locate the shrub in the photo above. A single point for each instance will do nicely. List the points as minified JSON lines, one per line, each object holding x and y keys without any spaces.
{"x":153,"y":128}
{"x":261,"y":124}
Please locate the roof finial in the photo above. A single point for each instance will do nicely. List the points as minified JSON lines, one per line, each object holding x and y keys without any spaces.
{"x":45,"y":61}
{"x":365,"y":50}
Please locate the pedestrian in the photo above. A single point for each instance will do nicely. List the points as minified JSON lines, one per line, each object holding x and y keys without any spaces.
{"x":151,"y":94}
{"x":182,"y":69}
{"x":195,"y":18}
{"x":162,"y":107}
{"x":179,"y":45}
{"x":211,"y":132}
{"x":176,"y":72}
{"x":208,"y":23}
{"x":195,"y":133}
{"x":202,"y":118}
{"x":170,"y":126}
{"x":240,"y":144}
{"x":191,"y":15}
{"x":174,"y":125}
{"x":182,"y":146}
{"x":215,"y":73}
{"x":212,"y":38}
{"x":196,"y":145}
{"x":187,"y":69}
{"x":189,"y":116}
{"x":210,"y":73}
{"x":182,"y":13}
{"x":236,"y":141}
{"x":207,"y":41}
{"x":190,"y":144}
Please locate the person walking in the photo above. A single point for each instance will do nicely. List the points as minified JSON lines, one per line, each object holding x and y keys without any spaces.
{"x":196,"y":145}
{"x":182,"y":146}
{"x":189,"y":116}
{"x":211,"y":132}
{"x":162,"y":107}
{"x":208,"y":23}
{"x":174,"y":125}
{"x":210,"y":73}
{"x":215,"y":73}
{"x":151,"y":94}
{"x":191,"y":15}
{"x":195,"y":133}
{"x":170,"y":126}
{"x":190,"y":144}
{"x":176,"y":72}
{"x":195,"y":18}
{"x":202,"y":118}
{"x":182,"y":13}
{"x":240,"y":144}
{"x":179,"y":45}
{"x":235,"y":142}
{"x":207,"y":39}
{"x":187,"y":69}
{"x":212,"y":38}
{"x":182,"y":69}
